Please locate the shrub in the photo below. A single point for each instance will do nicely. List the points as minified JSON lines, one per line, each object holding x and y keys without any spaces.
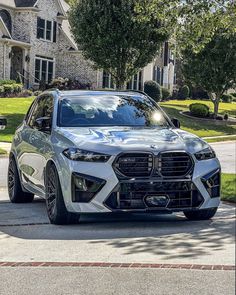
{"x":184,"y":92}
{"x":165,"y":93}
{"x":226,"y":117}
{"x":199,"y":110}
{"x":153,"y":89}
{"x":9,"y":82}
{"x":226,"y":98}
{"x":219,"y":117}
{"x":26,"y":93}
{"x":37,"y":92}
{"x":233,"y":94}
{"x":1,"y":90}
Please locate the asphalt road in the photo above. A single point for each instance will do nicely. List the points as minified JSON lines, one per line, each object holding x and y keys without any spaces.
{"x":73,"y":281}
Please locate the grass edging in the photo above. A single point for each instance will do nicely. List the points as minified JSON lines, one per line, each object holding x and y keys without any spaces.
{"x":228,"y":191}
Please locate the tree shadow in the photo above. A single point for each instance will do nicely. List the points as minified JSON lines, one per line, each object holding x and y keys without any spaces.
{"x":164,"y":236}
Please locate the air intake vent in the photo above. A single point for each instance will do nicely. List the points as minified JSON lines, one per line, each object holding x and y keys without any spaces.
{"x":174,"y":164}
{"x":135,"y":164}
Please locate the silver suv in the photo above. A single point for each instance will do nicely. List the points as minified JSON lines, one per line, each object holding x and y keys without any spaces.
{"x":100,"y":151}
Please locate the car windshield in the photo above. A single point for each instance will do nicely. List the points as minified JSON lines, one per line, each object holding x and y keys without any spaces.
{"x":110,"y":110}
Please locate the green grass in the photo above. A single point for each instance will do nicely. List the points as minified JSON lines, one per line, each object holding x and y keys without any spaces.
{"x":196,"y":125}
{"x":2,"y":152}
{"x":14,"y":110}
{"x":210,"y":140}
{"x":229,"y":108}
{"x":228,"y":192}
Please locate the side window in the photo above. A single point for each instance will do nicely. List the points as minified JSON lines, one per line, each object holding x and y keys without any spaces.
{"x":43,"y":109}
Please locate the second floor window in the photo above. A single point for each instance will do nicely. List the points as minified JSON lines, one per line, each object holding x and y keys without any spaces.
{"x":46,"y":29}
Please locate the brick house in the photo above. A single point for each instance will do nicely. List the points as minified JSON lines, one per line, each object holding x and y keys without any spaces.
{"x":36,"y":44}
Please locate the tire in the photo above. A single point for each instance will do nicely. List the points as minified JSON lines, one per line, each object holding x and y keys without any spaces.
{"x":55,"y":205}
{"x":15,"y":192}
{"x":201,"y":214}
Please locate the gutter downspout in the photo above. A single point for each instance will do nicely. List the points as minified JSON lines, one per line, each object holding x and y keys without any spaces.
{"x":4,"y":60}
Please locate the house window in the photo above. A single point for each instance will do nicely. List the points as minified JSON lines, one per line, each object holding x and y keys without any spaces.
{"x":46,"y":29}
{"x":107,"y":81}
{"x":136,"y":83}
{"x":157,"y":74}
{"x":44,"y":69}
{"x":6,"y":17}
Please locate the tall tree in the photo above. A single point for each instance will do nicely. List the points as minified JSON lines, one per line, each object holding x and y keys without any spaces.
{"x":213,"y":67}
{"x":122,"y":36}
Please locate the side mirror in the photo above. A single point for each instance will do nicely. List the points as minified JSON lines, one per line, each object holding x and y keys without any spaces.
{"x":43,"y":124}
{"x":176,"y":122}
{"x":3,"y":123}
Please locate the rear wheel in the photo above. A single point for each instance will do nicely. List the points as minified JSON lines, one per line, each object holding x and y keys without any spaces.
{"x":201,"y":214}
{"x":16,"y":194}
{"x":56,"y":209}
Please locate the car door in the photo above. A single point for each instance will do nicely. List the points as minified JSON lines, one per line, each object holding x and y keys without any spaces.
{"x":37,"y":144}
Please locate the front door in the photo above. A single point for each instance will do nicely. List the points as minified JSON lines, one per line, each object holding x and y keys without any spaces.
{"x":16,"y":63}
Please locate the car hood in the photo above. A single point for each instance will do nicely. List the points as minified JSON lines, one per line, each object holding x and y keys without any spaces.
{"x":113,"y":140}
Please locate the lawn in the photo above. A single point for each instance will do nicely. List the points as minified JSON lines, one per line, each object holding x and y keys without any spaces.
{"x":200,"y":127}
{"x":228,"y":192}
{"x":14,"y":109}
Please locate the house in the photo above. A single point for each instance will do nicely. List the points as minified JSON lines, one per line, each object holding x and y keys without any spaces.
{"x":36,"y":45}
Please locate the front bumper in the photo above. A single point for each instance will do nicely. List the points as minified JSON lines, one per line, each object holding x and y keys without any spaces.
{"x":115,"y":195}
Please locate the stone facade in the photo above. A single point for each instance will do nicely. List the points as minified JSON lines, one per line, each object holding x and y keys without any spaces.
{"x":68,"y":60}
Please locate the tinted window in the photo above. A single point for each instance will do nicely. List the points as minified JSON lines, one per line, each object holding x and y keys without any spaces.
{"x":42,"y":108}
{"x":109,"y":110}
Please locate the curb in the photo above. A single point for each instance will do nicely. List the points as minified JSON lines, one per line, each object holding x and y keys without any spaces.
{"x":119,"y":265}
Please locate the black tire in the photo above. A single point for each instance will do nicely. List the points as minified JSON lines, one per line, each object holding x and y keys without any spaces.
{"x":15,"y":192}
{"x":56,"y":209}
{"x":201,"y":214}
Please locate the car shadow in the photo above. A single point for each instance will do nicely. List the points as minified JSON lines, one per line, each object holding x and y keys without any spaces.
{"x":171,"y":236}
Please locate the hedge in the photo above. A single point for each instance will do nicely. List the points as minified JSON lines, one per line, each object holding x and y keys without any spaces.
{"x":153,"y":89}
{"x":199,"y":110}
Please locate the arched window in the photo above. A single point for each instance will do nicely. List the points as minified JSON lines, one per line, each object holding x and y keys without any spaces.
{"x":6,"y":17}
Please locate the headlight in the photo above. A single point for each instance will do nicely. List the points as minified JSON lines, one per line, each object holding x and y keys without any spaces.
{"x":205,"y":154}
{"x":85,"y":156}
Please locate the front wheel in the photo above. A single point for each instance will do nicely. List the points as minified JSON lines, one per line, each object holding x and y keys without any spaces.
{"x":203,"y":214}
{"x":56,"y":209}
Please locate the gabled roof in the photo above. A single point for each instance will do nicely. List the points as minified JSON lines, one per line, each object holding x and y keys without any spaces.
{"x":19,"y":3}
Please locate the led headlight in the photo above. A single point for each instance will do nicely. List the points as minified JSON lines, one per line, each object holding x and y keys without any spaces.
{"x":205,"y":154}
{"x":85,"y":156}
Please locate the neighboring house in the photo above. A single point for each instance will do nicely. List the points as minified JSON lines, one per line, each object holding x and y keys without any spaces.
{"x":36,"y":44}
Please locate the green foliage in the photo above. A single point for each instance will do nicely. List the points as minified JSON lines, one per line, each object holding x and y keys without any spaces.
{"x":121,"y":37}
{"x":226,"y":116}
{"x":227,"y":98}
{"x":153,"y":89}
{"x":165,"y":93}
{"x":2,"y":82}
{"x":12,"y":89}
{"x":26,"y":93}
{"x":184,"y":92}
{"x":199,"y":110}
{"x":212,"y":68}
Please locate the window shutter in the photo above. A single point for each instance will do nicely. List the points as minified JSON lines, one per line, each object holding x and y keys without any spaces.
{"x":54,"y":31}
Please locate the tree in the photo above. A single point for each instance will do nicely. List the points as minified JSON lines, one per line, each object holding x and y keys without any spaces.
{"x":213,"y":67}
{"x":123,"y":36}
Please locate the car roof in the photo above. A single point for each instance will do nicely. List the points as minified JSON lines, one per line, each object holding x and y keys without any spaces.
{"x":96,"y":92}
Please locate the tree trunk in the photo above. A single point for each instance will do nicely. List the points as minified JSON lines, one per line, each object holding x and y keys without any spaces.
{"x":216,"y":106}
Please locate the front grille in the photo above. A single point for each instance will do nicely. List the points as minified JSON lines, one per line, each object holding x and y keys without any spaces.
{"x":132,"y":195}
{"x":174,"y":164}
{"x":135,"y":164}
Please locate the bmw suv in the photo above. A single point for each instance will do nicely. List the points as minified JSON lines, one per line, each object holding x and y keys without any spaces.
{"x":108,"y":151}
